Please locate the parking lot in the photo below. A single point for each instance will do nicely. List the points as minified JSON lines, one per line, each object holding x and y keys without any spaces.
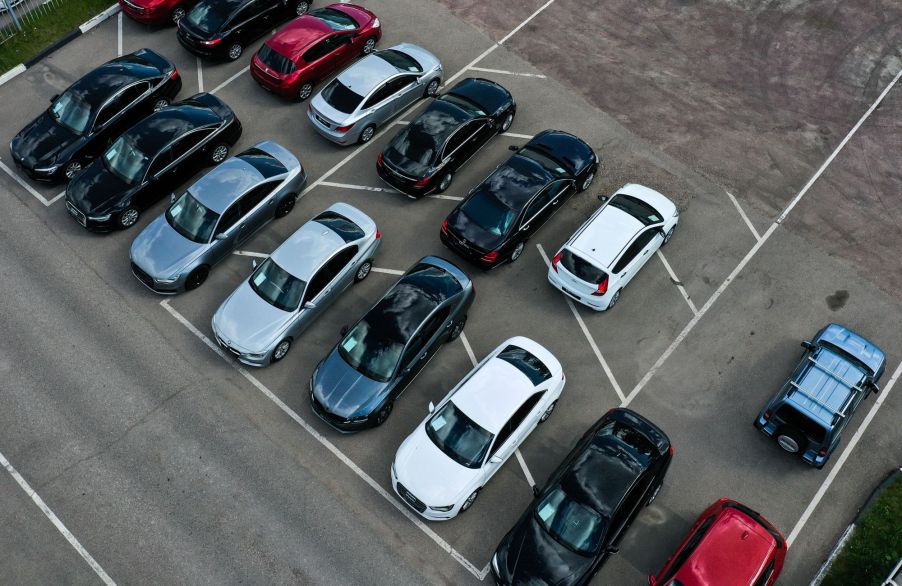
{"x":701,"y":338}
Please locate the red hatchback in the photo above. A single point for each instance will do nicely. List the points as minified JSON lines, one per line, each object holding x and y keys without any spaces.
{"x":156,"y":11}
{"x":729,"y":544}
{"x":310,"y":48}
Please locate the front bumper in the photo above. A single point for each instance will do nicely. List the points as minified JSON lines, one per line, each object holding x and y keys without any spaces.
{"x":148,"y":281}
{"x":87,"y":223}
{"x":255,"y":360}
{"x":337,"y":423}
{"x":418,"y":506}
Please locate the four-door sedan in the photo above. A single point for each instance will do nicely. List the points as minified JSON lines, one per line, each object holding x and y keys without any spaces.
{"x":214,"y":216}
{"x":92,"y":112}
{"x":311,"y":48}
{"x":223,"y":28}
{"x":608,"y":250}
{"x":728,"y":544}
{"x":496,"y":219}
{"x":149,"y":159}
{"x":156,"y":11}
{"x":441,"y":467}
{"x":372,"y":91}
{"x":263,"y":317}
{"x":423,"y":157}
{"x":589,"y":502}
{"x":356,"y":385}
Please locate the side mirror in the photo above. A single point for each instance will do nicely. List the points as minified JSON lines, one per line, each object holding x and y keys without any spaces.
{"x":808,"y":345}
{"x":431,"y":406}
{"x":496,"y":459}
{"x":875,"y":388}
{"x":611,"y":549}
{"x":254,"y":263}
{"x":603,"y":198}
{"x":220,"y":236}
{"x":513,"y":147}
{"x":53,"y":99}
{"x":535,"y":491}
{"x":310,"y":305}
{"x":344,"y":331}
{"x":172,"y":197}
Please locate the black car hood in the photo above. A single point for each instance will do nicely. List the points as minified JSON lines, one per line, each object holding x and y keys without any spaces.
{"x":342,"y":390}
{"x":96,"y":190}
{"x":40,"y":142}
{"x":463,"y":227}
{"x":530,"y":555}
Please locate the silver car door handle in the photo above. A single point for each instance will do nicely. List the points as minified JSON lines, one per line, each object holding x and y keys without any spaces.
{"x":423,"y":355}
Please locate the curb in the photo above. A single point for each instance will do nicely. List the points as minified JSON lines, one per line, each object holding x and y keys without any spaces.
{"x":66,"y":39}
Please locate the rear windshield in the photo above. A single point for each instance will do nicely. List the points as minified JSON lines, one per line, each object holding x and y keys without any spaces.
{"x":812,"y":430}
{"x":401,"y":61}
{"x":541,"y":158}
{"x":266,"y":164}
{"x":581,"y":268}
{"x":341,"y":97}
{"x":636,"y":208}
{"x":348,"y":230}
{"x":276,"y":62}
{"x":526,"y":363}
{"x":336,"y":19}
{"x":208,"y":16}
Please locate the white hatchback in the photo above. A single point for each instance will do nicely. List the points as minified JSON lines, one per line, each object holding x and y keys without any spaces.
{"x":607,"y":251}
{"x":441,"y":467}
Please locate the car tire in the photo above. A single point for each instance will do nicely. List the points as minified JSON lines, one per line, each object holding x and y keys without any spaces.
{"x":286,"y":205}
{"x":547,"y":413}
{"x":72,"y":169}
{"x":367,"y":134}
{"x":235,"y":51}
{"x":160,"y":103}
{"x":668,"y":236}
{"x":470,"y":500}
{"x":219,"y":153}
{"x":301,"y":8}
{"x":614,"y":300}
{"x":383,"y":413}
{"x":305,"y":91}
{"x":654,"y":494}
{"x":127,"y":217}
{"x":506,"y":123}
{"x":445,"y":182}
{"x":518,"y":251}
{"x":197,"y":277}
{"x":177,"y":14}
{"x":791,"y":440}
{"x":369,"y":45}
{"x":457,"y":329}
{"x":432,"y":88}
{"x":587,"y":181}
{"x":363,"y":271}
{"x":280,"y":351}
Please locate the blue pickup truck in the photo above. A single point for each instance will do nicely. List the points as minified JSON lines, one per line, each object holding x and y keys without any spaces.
{"x":808,"y":415}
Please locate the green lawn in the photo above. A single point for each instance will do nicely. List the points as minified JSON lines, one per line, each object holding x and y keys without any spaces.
{"x":43,"y":31}
{"x":875,"y":546}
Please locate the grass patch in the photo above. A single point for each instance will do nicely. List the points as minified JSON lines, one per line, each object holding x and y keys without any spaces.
{"x":47,"y":28}
{"x":876,"y":543}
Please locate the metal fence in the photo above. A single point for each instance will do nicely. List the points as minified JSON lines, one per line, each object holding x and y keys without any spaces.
{"x":17,"y":16}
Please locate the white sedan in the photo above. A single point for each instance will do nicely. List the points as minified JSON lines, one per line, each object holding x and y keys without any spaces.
{"x":441,"y":467}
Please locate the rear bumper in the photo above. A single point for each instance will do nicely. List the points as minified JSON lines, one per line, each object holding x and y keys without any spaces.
{"x":406,"y":186}
{"x":472,"y":255}
{"x":145,"y":15}
{"x":590,"y":301}
{"x":285,"y":90}
{"x":198,"y":50}
{"x":339,"y":138}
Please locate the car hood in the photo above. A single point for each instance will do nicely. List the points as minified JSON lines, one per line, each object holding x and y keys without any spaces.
{"x":344,"y":391}
{"x":96,"y":190}
{"x":161,"y":251}
{"x":246,"y":321}
{"x":429,"y":474}
{"x":461,"y":225}
{"x":529,"y":555}
{"x":40,"y":142}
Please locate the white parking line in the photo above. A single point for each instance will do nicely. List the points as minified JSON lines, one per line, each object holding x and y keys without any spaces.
{"x":745,"y":218}
{"x":200,"y":75}
{"x":230,"y":80}
{"x":526,"y":472}
{"x":384,"y":190}
{"x":751,"y":253}
{"x":387,"y":271}
{"x":36,"y":498}
{"x":119,"y":36}
{"x":515,"y":135}
{"x":504,"y":72}
{"x":249,"y":253}
{"x":468,"y":348}
{"x":326,"y":443}
{"x":825,"y":485}
{"x":677,"y":282}
{"x":15,"y":177}
{"x":587,"y":334}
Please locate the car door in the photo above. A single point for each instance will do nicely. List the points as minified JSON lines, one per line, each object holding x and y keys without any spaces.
{"x":319,"y":59}
{"x":509,"y":437}
{"x":536,"y":211}
{"x":461,"y":145}
{"x":257,"y":208}
{"x":116,"y":116}
{"x":422,"y":347}
{"x":188,"y":154}
{"x":343,"y":49}
{"x":249,"y":22}
{"x":623,"y":517}
{"x":319,"y":292}
{"x":638,"y":253}
{"x":151,"y":189}
{"x":377,"y":106}
{"x":225,"y":235}
{"x":405,"y":91}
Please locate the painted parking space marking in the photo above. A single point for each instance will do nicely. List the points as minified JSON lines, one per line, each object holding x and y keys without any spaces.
{"x":249,"y":253}
{"x":73,"y":541}
{"x":587,"y":334}
{"x":15,"y":177}
{"x":385,"y":190}
{"x":229,"y":80}
{"x":387,"y":271}
{"x":325,"y":443}
{"x":504,"y":72}
{"x":119,"y":35}
{"x":252,"y":254}
{"x":200,"y":76}
{"x":745,"y":218}
{"x":677,"y":282}
{"x":468,"y":348}
{"x":751,"y":253}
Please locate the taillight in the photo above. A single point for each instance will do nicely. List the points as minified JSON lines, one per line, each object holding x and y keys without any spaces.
{"x":490,"y":257}
{"x":823,"y":452}
{"x":378,"y":234}
{"x":344,"y":128}
{"x":555,"y":260}
{"x":174,"y":74}
{"x":602,"y":287}
{"x":211,"y":43}
{"x":670,"y":451}
{"x":422,"y":182}
{"x":445,"y":227}
{"x":767,"y":414}
{"x":379,"y":160}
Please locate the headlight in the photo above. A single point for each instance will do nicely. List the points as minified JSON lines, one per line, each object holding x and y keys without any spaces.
{"x":495,"y":564}
{"x":376,"y":23}
{"x":255,"y":356}
{"x":168,"y":281}
{"x":103,"y":218}
{"x":442,"y":509}
{"x":50,"y":170}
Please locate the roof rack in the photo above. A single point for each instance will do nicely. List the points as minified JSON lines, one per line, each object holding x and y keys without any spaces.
{"x":843,"y":411}
{"x":832,"y":373}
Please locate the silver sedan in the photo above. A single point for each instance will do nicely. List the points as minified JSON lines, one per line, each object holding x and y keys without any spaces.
{"x":372,"y":91}
{"x":261,"y":319}
{"x":214,"y":216}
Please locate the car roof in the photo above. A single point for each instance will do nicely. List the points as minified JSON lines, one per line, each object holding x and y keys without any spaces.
{"x":824,"y":384}
{"x":606,"y":236}
{"x":299,"y":34}
{"x":733,"y":551}
{"x":515,"y":182}
{"x":160,"y":128}
{"x":101,"y":83}
{"x":307,"y":249}
{"x":225,"y":183}
{"x":437,"y":123}
{"x":602,"y":474}
{"x":855,"y":344}
{"x":368,"y":73}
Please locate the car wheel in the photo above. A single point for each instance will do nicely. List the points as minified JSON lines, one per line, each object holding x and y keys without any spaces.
{"x":219,"y":153}
{"x":654,"y":494}
{"x":470,"y":500}
{"x":432,"y":88}
{"x":587,"y":182}
{"x":363,"y":271}
{"x":160,"y":104}
{"x":128,"y":217}
{"x":301,"y":8}
{"x":547,"y":413}
{"x":384,"y":412}
{"x":196,"y":278}
{"x":281,"y":350}
{"x":508,"y":120}
{"x":518,"y":250}
{"x":369,"y":46}
{"x":286,"y":205}
{"x":668,"y":236}
{"x":615,"y":299}
{"x":367,"y":134}
{"x":445,"y":183}
{"x":235,"y":51}
{"x":305,"y":91}
{"x":791,"y":440}
{"x":72,"y":169}
{"x":177,"y":14}
{"x":457,"y":329}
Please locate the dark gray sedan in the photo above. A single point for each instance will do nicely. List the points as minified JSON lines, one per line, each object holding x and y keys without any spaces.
{"x":214,"y":216}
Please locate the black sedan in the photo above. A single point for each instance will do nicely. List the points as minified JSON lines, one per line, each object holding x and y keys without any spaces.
{"x":589,"y":502}
{"x":92,"y":112}
{"x":356,"y":385}
{"x":223,"y":28}
{"x":496,"y":219}
{"x":423,"y":157}
{"x":149,"y":160}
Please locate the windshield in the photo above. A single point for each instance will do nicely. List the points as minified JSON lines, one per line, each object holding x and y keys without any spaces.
{"x":572,"y":524}
{"x":192,"y":219}
{"x":336,"y":19}
{"x":124,"y":160}
{"x":636,"y":208}
{"x":340,"y":97}
{"x":371,"y":352}
{"x":464,"y":104}
{"x":458,"y":436}
{"x":487,"y":212}
{"x":71,"y":112}
{"x":277,"y":286}
{"x":401,"y":61}
{"x":208,"y":16}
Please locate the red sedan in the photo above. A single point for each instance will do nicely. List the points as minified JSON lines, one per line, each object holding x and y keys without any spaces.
{"x":310,"y":48}
{"x":729,"y":544}
{"x":156,"y":11}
